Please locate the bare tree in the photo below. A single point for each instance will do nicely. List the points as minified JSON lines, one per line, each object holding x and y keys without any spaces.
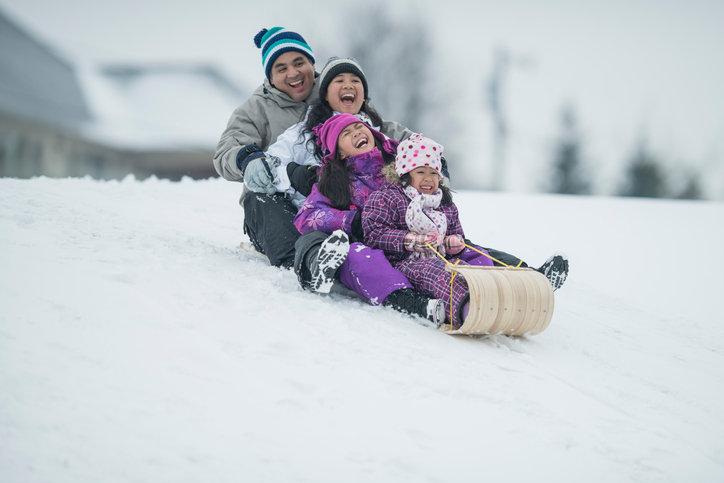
{"x":396,"y":59}
{"x":494,"y":86}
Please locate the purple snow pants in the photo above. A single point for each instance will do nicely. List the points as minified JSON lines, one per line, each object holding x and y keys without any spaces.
{"x":368,"y":272}
{"x":471,"y":257}
{"x":429,"y":277}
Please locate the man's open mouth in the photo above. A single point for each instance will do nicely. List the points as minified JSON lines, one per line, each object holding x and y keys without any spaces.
{"x":297,"y":84}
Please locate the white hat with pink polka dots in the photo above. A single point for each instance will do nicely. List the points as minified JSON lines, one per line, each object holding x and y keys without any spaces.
{"x":416,"y":151}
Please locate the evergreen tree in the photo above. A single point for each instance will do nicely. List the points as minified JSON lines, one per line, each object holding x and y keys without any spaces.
{"x":644,"y":176}
{"x":692,"y":189}
{"x":568,"y":175}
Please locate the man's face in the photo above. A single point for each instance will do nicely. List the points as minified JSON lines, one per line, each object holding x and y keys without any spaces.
{"x":346,"y":93}
{"x":293,"y":74}
{"x":355,"y":139}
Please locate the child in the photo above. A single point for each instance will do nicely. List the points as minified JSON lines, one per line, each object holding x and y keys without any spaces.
{"x":350,"y":171}
{"x":406,"y":218}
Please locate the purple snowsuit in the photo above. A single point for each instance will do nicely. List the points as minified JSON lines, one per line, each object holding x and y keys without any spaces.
{"x":384,"y":225}
{"x":366,"y":271}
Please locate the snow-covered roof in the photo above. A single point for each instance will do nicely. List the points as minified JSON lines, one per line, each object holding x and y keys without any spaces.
{"x":158,"y":106}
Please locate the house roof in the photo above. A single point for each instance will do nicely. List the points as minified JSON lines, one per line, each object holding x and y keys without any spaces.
{"x":35,"y":81}
{"x":159,"y":106}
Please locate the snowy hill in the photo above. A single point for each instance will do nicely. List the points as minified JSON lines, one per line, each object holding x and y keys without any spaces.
{"x":138,"y":344}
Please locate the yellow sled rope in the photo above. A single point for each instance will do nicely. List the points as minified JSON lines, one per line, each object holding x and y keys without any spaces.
{"x":503,"y":300}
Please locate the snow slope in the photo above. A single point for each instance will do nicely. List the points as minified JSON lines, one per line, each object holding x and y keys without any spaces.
{"x":137,"y":344}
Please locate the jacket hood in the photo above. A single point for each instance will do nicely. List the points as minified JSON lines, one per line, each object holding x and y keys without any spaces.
{"x":390,"y":174}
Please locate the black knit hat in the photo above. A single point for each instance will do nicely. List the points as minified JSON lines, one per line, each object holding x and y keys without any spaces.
{"x":336,"y":66}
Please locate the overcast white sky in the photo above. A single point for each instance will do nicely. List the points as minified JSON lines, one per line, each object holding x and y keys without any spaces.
{"x":631,"y":68}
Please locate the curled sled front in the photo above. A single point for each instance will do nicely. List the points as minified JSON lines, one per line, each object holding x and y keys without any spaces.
{"x":504,"y":300}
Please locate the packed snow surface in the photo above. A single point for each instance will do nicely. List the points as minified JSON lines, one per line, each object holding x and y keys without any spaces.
{"x":138,"y":344}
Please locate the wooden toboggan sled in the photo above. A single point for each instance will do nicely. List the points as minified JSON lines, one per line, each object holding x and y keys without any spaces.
{"x":505,"y":300}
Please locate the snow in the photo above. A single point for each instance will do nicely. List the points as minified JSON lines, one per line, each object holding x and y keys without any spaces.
{"x":138,"y":344}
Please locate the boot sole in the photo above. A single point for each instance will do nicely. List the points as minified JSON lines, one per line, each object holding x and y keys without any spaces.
{"x":331,"y":255}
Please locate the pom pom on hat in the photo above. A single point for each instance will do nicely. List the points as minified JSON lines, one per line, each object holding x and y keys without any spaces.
{"x":258,"y":37}
{"x":416,"y":151}
{"x":277,"y":41}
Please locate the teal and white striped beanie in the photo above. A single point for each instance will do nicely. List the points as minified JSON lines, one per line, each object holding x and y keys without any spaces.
{"x":275,"y":42}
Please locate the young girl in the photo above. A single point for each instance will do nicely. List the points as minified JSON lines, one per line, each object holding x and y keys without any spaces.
{"x":350,"y":171}
{"x":406,"y":218}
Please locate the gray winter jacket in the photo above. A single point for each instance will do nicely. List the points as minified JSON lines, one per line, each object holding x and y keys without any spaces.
{"x":263,"y":117}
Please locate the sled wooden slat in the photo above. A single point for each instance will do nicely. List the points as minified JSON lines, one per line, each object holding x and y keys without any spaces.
{"x":503,"y":300}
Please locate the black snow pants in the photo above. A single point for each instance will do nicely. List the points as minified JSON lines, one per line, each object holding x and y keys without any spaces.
{"x":506,"y":258}
{"x":269,"y":223}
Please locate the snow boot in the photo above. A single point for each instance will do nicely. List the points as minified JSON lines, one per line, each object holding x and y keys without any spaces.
{"x":555,"y":269}
{"x":410,"y":301}
{"x":330,"y":257}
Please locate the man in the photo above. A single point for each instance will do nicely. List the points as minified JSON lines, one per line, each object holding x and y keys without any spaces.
{"x":289,"y":88}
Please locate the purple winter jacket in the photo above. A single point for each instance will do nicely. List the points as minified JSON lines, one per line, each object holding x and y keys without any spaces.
{"x":384,"y":225}
{"x":318,"y":213}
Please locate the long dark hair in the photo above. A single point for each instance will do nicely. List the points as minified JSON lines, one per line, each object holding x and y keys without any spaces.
{"x":447,"y":200}
{"x":335,"y":181}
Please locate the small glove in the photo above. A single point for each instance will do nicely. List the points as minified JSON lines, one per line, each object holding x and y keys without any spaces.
{"x":261,"y":176}
{"x":454,"y":244}
{"x":416,"y":242}
{"x":357,"y":231}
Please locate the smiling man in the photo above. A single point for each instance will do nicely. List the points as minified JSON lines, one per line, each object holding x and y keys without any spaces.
{"x":287,"y":91}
